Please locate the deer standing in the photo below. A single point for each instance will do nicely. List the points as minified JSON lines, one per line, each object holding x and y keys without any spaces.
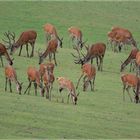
{"x":51,"y":49}
{"x":11,"y":76}
{"x":51,"y":32}
{"x":89,"y":73}
{"x":34,"y":77}
{"x":64,"y":83}
{"x":4,"y":52}
{"x":131,"y":59}
{"x":95,"y":51}
{"x":26,"y":37}
{"x":129,"y":81}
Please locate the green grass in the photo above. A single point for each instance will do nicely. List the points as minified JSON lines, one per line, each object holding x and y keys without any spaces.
{"x":99,"y":114}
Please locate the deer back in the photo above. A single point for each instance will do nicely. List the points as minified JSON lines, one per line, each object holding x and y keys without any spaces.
{"x":75,"y":32}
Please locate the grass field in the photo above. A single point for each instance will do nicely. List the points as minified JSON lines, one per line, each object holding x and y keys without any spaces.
{"x":99,"y":114}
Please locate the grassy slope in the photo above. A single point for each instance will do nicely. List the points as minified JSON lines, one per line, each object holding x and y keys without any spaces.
{"x":101,"y":114}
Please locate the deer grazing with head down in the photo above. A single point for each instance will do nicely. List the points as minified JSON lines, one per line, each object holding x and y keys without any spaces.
{"x":34,"y":77}
{"x":129,"y":81}
{"x":95,"y":51}
{"x":51,"y":49}
{"x":120,"y":36}
{"x":76,"y":36}
{"x":11,"y":76}
{"x":3,"y":51}
{"x":51,"y":32}
{"x":131,"y":59}
{"x":65,"y":83}
{"x":26,"y":37}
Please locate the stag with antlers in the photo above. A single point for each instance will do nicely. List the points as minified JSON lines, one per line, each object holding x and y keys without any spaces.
{"x":27,"y":37}
{"x":95,"y":51}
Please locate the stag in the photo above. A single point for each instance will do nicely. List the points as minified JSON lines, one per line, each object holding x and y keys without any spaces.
{"x":3,"y":51}
{"x":95,"y":51}
{"x":26,"y":37}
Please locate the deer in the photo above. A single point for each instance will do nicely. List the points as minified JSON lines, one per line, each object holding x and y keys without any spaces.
{"x":11,"y":76}
{"x":95,"y":51}
{"x":121,"y":36}
{"x":3,"y":51}
{"x":65,"y":83}
{"x":34,"y":77}
{"x":76,"y":36}
{"x":138,"y":63}
{"x":131,"y":59}
{"x":25,"y":38}
{"x":129,"y":81}
{"x":51,"y":49}
{"x":51,"y":32}
{"x":89,"y":73}
{"x":48,"y":79}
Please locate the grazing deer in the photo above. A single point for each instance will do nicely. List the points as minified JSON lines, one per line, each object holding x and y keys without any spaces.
{"x":10,"y":75}
{"x":129,"y":81}
{"x":4,"y":52}
{"x":89,"y":73}
{"x":131,"y":59}
{"x":48,"y":79}
{"x":51,"y":32}
{"x":138,"y":63}
{"x":121,"y":36}
{"x":64,"y":83}
{"x":95,"y":51}
{"x":51,"y":49}
{"x":34,"y":77}
{"x":26,"y":37}
{"x":76,"y":36}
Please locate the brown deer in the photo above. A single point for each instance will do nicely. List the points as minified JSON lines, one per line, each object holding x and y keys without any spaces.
{"x":51,"y":49}
{"x":121,"y":36}
{"x":95,"y":51}
{"x":51,"y":32}
{"x":11,"y":76}
{"x":89,"y":73}
{"x":26,"y":37}
{"x":76,"y":36}
{"x":131,"y":59}
{"x":48,"y":79}
{"x":65,"y":83}
{"x":3,"y":51}
{"x":34,"y":77}
{"x":129,"y":81}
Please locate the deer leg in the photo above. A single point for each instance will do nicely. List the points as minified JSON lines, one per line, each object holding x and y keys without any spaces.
{"x":47,"y":92}
{"x":129,"y":93}
{"x":32,"y":53}
{"x":27,"y":50}
{"x":20,"y":50}
{"x":6,"y":83}
{"x":50,"y":92}
{"x":10,"y":85}
{"x":97,"y":62}
{"x":1,"y":61}
{"x":124,"y":87}
{"x":55,"y":59}
{"x":28,"y":87}
{"x":79,"y":81}
{"x":60,"y":90}
{"x":93,"y":82}
{"x":35,"y":86}
{"x":50,"y":57}
{"x":68,"y":98}
{"x":85,"y":86}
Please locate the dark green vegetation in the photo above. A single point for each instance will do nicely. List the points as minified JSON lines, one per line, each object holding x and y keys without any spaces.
{"x":101,"y":114}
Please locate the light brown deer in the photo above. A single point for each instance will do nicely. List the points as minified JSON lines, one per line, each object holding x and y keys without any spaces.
{"x":89,"y":73}
{"x":76,"y":36}
{"x":65,"y":83}
{"x":3,"y":52}
{"x":26,"y":37}
{"x":51,"y":32}
{"x":51,"y":49}
{"x":11,"y":76}
{"x":95,"y":51}
{"x":129,"y":81}
{"x":34,"y":77}
{"x":131,"y":59}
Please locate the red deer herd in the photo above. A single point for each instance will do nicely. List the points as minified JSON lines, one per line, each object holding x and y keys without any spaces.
{"x":44,"y":76}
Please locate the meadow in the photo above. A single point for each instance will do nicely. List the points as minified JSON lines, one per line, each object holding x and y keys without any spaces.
{"x":99,"y":114}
